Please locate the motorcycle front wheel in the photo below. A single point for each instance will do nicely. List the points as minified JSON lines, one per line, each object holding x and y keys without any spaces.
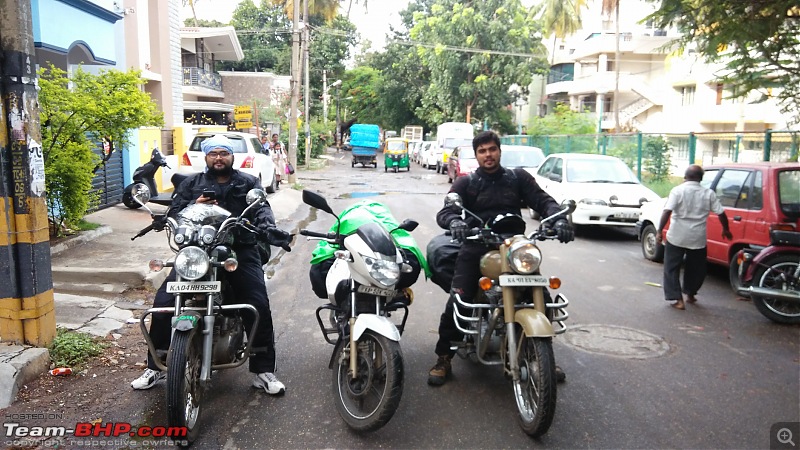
{"x":779,"y":273}
{"x":535,"y":392}
{"x":368,"y":401}
{"x":184,"y":393}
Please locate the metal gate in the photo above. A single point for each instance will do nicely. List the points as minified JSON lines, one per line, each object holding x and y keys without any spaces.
{"x":108,"y":180}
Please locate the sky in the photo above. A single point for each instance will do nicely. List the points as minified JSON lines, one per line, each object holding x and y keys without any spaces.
{"x":372,"y":24}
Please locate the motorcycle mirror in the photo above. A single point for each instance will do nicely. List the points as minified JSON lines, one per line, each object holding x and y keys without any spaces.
{"x":315,"y":200}
{"x":255,"y":195}
{"x":570,"y":205}
{"x":141,"y":193}
{"x":408,"y":225}
{"x":453,"y":199}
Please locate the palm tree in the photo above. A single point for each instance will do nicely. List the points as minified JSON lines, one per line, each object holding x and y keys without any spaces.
{"x":560,"y":18}
{"x":328,"y":9}
{"x":612,"y":6}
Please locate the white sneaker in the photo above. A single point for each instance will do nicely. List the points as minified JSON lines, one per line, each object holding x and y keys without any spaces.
{"x":148,"y":379}
{"x":269,"y":382}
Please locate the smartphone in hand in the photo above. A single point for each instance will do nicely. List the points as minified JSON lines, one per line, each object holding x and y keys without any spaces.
{"x":210,"y":194}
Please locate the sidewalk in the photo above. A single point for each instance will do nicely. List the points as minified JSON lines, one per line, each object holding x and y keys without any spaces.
{"x":91,"y":270}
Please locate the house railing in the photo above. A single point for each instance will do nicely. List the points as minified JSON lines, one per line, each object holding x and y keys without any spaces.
{"x":195,"y":76}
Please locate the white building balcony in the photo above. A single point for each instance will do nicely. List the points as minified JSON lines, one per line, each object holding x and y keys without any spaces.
{"x":732,"y":113}
{"x":628,"y":44}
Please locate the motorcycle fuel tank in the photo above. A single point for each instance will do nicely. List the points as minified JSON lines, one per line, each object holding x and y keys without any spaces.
{"x":491,"y":265}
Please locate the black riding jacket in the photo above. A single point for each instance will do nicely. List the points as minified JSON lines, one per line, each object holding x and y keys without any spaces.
{"x":502,"y":192}
{"x":231,"y":196}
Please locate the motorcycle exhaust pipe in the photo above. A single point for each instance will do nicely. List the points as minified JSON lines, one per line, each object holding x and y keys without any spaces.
{"x":790,"y":296}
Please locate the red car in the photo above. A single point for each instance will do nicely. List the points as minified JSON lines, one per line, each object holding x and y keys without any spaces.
{"x":461,"y":162}
{"x":757,"y":197}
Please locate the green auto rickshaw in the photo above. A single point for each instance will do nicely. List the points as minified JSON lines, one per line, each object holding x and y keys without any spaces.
{"x":395,"y":155}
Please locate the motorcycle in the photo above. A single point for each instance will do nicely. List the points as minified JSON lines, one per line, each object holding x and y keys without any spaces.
{"x":208,"y":328}
{"x":145,"y":174}
{"x":512,"y":321}
{"x":771,"y":277}
{"x":361,"y":285}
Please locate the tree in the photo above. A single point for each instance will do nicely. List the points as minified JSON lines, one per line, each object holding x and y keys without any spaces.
{"x":475,"y":50}
{"x":757,"y":41}
{"x":563,"y":120}
{"x":328,"y":9}
{"x":264,"y":33}
{"x":560,"y":19}
{"x":77,"y":114}
{"x":362,"y":84}
{"x":609,"y":7}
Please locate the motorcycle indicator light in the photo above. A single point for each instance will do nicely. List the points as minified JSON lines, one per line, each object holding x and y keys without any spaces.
{"x":230,"y":264}
{"x":555,"y":282}
{"x":156,"y":265}
{"x":485,"y":283}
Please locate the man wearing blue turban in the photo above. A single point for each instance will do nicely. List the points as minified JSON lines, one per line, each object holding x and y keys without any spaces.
{"x":230,"y":188}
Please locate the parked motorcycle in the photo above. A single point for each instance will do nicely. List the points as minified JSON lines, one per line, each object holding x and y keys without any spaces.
{"x":362,"y":287}
{"x":771,"y":277}
{"x":208,"y":328}
{"x":513,"y":320}
{"x":145,"y":174}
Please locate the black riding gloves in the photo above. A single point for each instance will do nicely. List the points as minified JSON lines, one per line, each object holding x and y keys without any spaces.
{"x":564,"y":231}
{"x":458,"y":230}
{"x":277,"y":237}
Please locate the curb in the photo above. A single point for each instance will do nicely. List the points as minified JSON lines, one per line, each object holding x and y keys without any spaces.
{"x":82,"y":238}
{"x":19,"y":365}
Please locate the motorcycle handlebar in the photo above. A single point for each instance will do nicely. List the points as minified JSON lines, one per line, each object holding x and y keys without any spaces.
{"x":316,"y":234}
{"x":145,"y":230}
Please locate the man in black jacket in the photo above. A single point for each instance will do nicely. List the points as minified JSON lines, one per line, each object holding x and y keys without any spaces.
{"x":490,"y":191}
{"x":230,"y":189}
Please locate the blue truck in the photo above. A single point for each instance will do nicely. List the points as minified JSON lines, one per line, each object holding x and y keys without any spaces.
{"x":365,"y":140}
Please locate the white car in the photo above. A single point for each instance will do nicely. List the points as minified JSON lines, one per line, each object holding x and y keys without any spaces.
{"x":606,"y":191}
{"x":430,"y":155}
{"x":247,"y":157}
{"x":414,"y":148}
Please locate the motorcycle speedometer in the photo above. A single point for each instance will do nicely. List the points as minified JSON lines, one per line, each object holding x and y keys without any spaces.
{"x":191,"y":263}
{"x":524,"y":257}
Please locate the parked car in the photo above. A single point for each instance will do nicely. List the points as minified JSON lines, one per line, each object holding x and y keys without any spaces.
{"x":431,"y":154}
{"x":605,"y":189}
{"x":248,"y":157}
{"x":521,"y":156}
{"x":414,"y":148}
{"x":462,"y":162}
{"x":757,"y":198}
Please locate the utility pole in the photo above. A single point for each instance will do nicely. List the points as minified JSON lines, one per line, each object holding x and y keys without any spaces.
{"x":325,"y":97}
{"x":306,"y":91}
{"x":26,"y":295}
{"x":295,"y":89}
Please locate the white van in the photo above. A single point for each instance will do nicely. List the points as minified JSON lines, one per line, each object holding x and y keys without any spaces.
{"x":450,"y":135}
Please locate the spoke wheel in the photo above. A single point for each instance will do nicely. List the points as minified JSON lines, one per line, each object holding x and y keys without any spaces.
{"x":369,"y":401}
{"x":535,"y":392}
{"x":184,"y":393}
{"x":781,"y":274}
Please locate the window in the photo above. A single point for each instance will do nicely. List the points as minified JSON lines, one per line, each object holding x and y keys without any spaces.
{"x":687,"y":95}
{"x":730,"y":187}
{"x":545,"y":169}
{"x":708,"y":177}
{"x":681,"y":148}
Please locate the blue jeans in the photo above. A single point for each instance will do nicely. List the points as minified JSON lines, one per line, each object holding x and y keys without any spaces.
{"x":694,"y":271}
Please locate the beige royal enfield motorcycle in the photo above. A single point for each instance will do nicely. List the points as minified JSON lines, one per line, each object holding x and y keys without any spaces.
{"x":513,"y":320}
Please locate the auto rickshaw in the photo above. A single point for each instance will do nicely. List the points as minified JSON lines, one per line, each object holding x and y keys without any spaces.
{"x":395,"y":155}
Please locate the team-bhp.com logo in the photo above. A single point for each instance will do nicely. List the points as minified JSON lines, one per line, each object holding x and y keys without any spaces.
{"x":93,"y":430}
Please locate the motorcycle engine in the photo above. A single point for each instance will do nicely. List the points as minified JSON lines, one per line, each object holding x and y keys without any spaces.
{"x":228,"y":339}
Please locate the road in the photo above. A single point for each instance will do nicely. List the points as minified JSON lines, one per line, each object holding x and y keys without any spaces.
{"x":639,"y":373}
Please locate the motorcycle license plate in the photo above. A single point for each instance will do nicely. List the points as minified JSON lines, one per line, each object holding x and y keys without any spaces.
{"x":376,"y":291}
{"x":523,"y":280}
{"x":193,"y":287}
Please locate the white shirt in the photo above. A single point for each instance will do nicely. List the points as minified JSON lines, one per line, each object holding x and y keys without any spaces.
{"x":690,"y":204}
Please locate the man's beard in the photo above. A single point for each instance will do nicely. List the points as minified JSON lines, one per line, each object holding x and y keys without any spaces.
{"x":226,"y":171}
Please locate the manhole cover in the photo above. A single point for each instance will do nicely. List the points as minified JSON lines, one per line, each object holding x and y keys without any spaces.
{"x":616,"y":341}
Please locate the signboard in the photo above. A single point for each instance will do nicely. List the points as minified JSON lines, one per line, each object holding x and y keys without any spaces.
{"x":244,"y":124}
{"x":242,"y":113}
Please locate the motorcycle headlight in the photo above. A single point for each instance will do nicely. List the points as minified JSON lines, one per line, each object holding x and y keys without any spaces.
{"x":191,"y":263}
{"x":387,"y":273}
{"x":524,"y":257}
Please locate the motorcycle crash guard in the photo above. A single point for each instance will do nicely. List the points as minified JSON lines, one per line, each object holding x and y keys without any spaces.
{"x":376,"y":323}
{"x":534,"y":323}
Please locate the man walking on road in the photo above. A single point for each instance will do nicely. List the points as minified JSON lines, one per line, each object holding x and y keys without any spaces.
{"x":689,"y":205}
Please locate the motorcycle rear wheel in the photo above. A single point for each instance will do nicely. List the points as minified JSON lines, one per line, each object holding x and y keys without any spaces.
{"x":776,"y":310}
{"x":369,"y":401}
{"x":535,"y":392}
{"x":184,"y":394}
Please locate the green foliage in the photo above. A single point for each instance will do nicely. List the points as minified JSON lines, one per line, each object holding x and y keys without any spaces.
{"x":264,"y":32}
{"x":72,"y":349}
{"x":321,"y":139}
{"x":657,"y":161}
{"x":77,"y":114}
{"x":466,"y":84}
{"x":362,"y":84}
{"x":761,"y":56}
{"x":561,"y":121}
{"x":661,"y":187}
